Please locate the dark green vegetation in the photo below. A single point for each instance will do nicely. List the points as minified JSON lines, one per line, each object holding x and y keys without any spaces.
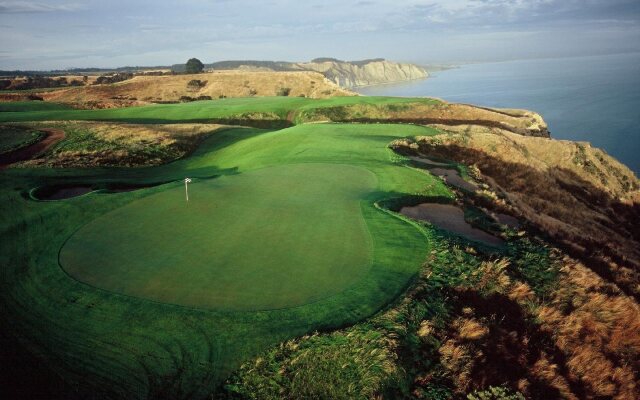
{"x":193,"y":66}
{"x":101,"y":343}
{"x":15,"y":137}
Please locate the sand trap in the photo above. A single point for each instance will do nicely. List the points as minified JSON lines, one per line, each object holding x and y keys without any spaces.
{"x":425,"y":160}
{"x":451,"y":218}
{"x":61,"y":192}
{"x":508,"y":220}
{"x":452,"y":177}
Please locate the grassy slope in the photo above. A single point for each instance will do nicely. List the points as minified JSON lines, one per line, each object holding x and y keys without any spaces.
{"x":113,"y":345}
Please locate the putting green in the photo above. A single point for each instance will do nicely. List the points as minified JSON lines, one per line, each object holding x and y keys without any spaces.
{"x":270,"y":238}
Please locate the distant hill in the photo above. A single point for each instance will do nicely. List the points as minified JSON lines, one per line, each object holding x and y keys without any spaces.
{"x":141,"y":90}
{"x":347,"y":74}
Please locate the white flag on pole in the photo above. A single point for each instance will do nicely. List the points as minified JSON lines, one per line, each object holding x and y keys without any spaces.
{"x":186,"y":187}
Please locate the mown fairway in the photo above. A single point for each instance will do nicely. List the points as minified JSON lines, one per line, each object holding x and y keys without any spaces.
{"x":281,"y":237}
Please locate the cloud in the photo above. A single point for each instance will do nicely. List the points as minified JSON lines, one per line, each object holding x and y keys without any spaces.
{"x":28,"y":7}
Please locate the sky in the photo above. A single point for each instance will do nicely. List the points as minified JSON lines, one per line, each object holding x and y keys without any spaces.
{"x":58,"y":34}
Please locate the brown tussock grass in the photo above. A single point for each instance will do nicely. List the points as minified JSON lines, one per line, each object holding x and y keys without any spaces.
{"x":122,"y":144}
{"x":578,"y":195}
{"x":598,"y":328}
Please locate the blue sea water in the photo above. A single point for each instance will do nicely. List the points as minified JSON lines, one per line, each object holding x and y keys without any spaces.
{"x":594,"y":99}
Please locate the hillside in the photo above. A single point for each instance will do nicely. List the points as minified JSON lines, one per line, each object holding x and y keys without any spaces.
{"x":589,"y":205}
{"x":212,"y":85}
{"x":347,"y":74}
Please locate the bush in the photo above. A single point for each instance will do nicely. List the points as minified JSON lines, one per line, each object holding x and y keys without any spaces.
{"x":204,"y":98}
{"x":283,"y":91}
{"x":196,"y":84}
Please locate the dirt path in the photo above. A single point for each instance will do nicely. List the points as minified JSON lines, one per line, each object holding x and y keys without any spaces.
{"x":27,"y":153}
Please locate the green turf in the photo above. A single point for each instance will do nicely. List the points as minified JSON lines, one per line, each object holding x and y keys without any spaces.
{"x":272,"y":238}
{"x":29,"y":106}
{"x":104,"y":343}
{"x":197,"y":111}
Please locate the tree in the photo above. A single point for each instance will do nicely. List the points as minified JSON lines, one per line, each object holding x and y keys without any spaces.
{"x":194,"y":66}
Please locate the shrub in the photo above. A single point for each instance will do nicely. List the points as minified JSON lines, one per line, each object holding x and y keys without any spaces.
{"x":283,"y":91}
{"x":196,"y":84}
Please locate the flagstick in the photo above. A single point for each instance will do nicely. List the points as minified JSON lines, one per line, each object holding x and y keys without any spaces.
{"x":186,"y":187}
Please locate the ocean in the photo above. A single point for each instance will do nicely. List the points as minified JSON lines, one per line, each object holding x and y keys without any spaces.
{"x":594,"y":99}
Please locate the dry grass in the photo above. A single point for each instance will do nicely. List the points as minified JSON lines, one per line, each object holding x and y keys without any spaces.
{"x":144,"y":89}
{"x":91,"y":144}
{"x":598,"y":329}
{"x":448,"y":114}
{"x":578,"y":195}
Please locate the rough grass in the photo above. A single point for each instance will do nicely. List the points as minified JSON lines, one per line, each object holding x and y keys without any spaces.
{"x":589,"y":219}
{"x":90,"y":144}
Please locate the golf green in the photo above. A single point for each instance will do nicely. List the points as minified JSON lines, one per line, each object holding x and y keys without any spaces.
{"x":270,"y":238}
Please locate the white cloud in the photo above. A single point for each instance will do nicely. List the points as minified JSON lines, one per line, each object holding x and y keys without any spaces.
{"x":25,"y":7}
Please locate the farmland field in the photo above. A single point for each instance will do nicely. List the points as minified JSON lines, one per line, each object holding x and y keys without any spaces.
{"x":140,"y":294}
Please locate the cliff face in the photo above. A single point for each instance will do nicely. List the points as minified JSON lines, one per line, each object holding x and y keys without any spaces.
{"x":374,"y":72}
{"x":346,"y":74}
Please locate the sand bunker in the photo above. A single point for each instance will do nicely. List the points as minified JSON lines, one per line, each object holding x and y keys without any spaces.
{"x":61,"y":192}
{"x":508,"y":220}
{"x":451,"y":218}
{"x":452,"y":177}
{"x":425,"y":160}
